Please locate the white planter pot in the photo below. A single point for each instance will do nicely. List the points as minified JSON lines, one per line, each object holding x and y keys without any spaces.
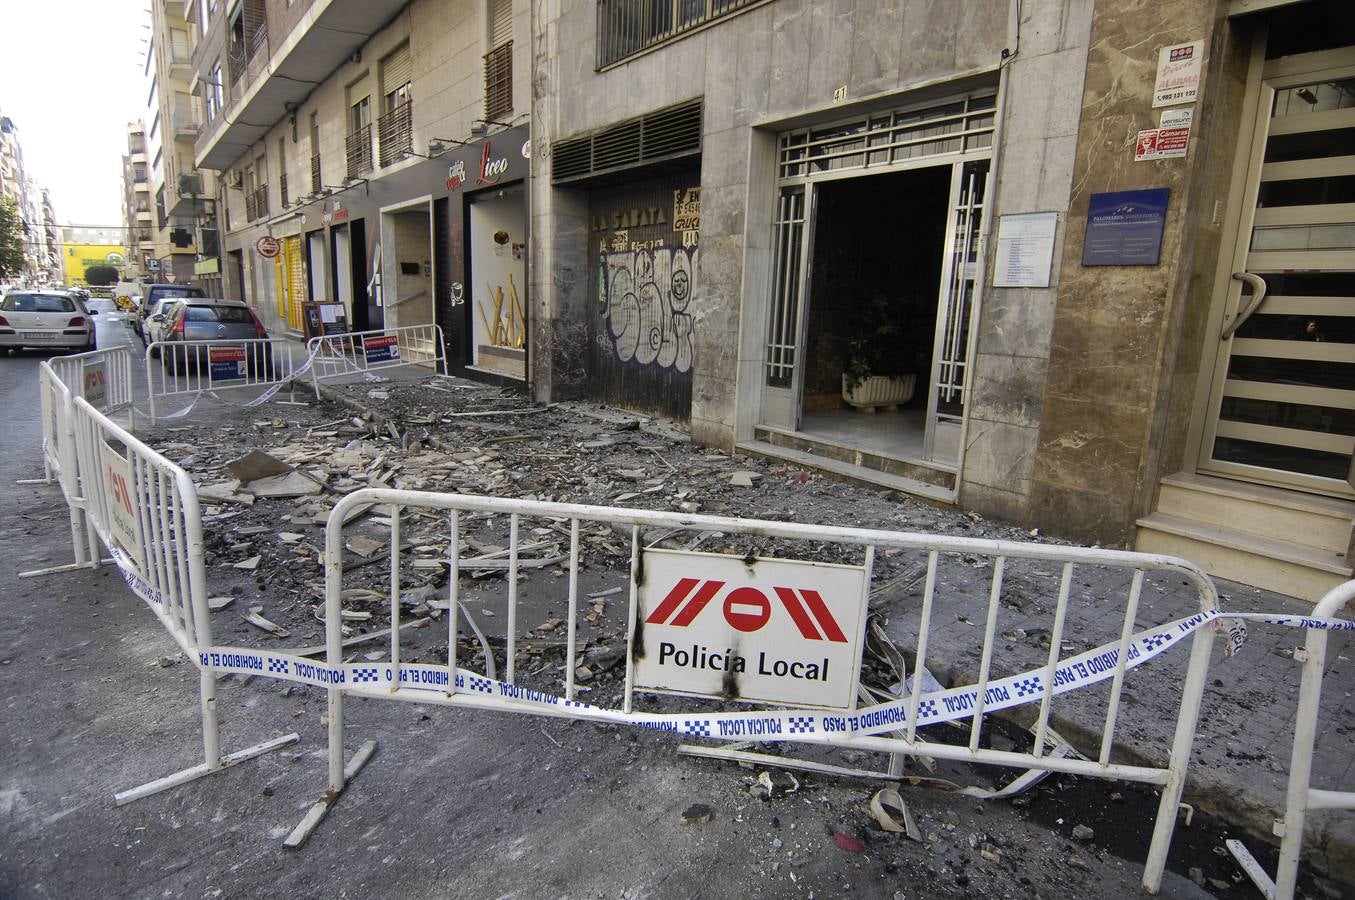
{"x":879,"y":390}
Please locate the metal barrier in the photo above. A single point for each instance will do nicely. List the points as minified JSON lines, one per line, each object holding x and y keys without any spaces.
{"x":844,"y":725}
{"x":145,"y":510}
{"x":104,"y":377}
{"x":183,"y":368}
{"x":358,"y":352}
{"x":1301,"y":796}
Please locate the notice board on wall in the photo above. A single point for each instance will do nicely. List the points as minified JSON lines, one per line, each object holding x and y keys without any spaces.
{"x":1124,"y":228}
{"x":321,"y":318}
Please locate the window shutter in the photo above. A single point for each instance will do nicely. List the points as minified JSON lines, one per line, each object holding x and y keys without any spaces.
{"x":396,"y":70}
{"x":500,"y":22}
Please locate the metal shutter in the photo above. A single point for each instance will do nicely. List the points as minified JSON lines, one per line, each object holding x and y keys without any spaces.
{"x":500,"y":22}
{"x":396,"y":70}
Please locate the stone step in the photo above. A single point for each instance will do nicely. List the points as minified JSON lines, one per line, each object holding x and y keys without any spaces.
{"x":1287,"y":568}
{"x":934,"y":493}
{"x":1306,"y":519}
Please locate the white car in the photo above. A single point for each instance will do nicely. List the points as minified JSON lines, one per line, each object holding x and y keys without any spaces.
{"x":47,"y":319}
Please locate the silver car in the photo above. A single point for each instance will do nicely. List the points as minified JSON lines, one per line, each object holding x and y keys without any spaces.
{"x":209,"y":319}
{"x":47,"y":319}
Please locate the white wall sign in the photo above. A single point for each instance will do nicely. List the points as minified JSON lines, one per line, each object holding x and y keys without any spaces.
{"x":1170,"y":140}
{"x":1025,"y":249}
{"x":773,"y":630}
{"x":1178,"y":74}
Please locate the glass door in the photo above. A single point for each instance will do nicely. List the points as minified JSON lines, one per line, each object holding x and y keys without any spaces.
{"x":1282,"y":406}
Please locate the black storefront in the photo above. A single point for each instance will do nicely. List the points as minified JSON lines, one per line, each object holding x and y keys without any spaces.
{"x":457,"y":223}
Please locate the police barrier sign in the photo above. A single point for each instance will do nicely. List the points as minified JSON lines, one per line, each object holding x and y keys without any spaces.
{"x":124,"y":518}
{"x":773,"y":630}
{"x":96,"y":383}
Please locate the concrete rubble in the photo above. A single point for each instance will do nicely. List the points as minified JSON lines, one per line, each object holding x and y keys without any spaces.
{"x":265,"y":546}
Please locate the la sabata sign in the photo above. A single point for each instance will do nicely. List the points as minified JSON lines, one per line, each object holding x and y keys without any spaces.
{"x":773,"y":630}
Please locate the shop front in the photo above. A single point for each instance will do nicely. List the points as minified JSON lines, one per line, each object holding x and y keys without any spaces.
{"x":439,"y":240}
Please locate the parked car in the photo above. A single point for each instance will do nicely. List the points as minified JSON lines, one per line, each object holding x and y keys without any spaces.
{"x":150,"y":304}
{"x":210,"y":319}
{"x":149,"y":328}
{"x":49,"y":319}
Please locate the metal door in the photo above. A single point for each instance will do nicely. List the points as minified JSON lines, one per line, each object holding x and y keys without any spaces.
{"x":1282,"y":403}
{"x":793,"y":234}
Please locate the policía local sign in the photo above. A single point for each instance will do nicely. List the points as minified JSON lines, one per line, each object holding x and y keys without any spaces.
{"x":772,"y":630}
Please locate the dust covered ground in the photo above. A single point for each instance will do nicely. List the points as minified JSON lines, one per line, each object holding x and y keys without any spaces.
{"x":784,"y":832}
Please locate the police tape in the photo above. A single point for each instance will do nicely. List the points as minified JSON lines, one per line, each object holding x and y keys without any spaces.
{"x":377,"y":679}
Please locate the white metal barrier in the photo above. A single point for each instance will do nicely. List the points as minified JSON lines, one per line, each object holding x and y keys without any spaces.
{"x":1301,"y":797}
{"x":145,"y":510}
{"x":193,"y":368}
{"x":865,"y":729}
{"x":358,"y":352}
{"x":104,"y":377}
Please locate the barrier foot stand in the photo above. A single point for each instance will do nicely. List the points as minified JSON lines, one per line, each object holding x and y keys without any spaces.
{"x":322,"y":806}
{"x":34,"y":481}
{"x":1258,"y":875}
{"x":68,"y":567}
{"x":196,"y":772}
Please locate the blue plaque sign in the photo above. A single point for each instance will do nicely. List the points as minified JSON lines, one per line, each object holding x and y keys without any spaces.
{"x":1124,"y":228}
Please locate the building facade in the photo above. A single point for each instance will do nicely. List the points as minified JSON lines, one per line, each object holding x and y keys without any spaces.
{"x":34,"y":205}
{"x":1108,"y":246}
{"x":179,"y":196}
{"x":387,"y":157}
{"x":137,"y":219}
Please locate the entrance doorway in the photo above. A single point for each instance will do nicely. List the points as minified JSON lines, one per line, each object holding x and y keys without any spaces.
{"x":876,"y":261}
{"x":872,"y":299}
{"x":1281,"y":406}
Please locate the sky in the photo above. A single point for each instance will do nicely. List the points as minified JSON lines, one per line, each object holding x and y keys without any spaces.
{"x":71,"y":77}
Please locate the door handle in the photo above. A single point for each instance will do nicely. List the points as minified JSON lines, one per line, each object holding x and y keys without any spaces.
{"x":1258,"y":295}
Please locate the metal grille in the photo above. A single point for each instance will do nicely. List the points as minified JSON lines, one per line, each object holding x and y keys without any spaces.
{"x":627,"y":27}
{"x":316,"y":183}
{"x":885,"y":140}
{"x":961,"y":273}
{"x":261,"y":201}
{"x":395,"y":133}
{"x":252,"y":37}
{"x":783,"y":326}
{"x":668,"y":133}
{"x":358,"y":149}
{"x":499,"y":81}
{"x":282,"y":190}
{"x":251,"y":207}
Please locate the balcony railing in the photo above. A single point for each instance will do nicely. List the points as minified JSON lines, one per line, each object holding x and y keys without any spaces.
{"x":358,"y":150}
{"x":316,"y":183}
{"x":256,"y":203}
{"x":626,"y":27}
{"x":245,"y":45}
{"x":395,"y":133}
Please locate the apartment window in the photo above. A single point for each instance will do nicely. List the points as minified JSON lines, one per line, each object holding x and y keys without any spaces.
{"x":395,"y":128}
{"x":499,"y":61}
{"x":628,"y":27}
{"x":282,"y":173}
{"x":358,"y":144}
{"x":316,"y":182}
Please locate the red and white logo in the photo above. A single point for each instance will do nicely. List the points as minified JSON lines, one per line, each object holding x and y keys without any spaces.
{"x":748,"y":609}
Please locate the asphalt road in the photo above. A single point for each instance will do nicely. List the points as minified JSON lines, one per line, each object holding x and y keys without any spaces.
{"x":94,"y":699}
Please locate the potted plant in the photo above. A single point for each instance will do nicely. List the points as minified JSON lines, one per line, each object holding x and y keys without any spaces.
{"x":880,"y":370}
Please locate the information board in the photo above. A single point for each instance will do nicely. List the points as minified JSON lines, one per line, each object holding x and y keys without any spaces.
{"x":1124,"y":228}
